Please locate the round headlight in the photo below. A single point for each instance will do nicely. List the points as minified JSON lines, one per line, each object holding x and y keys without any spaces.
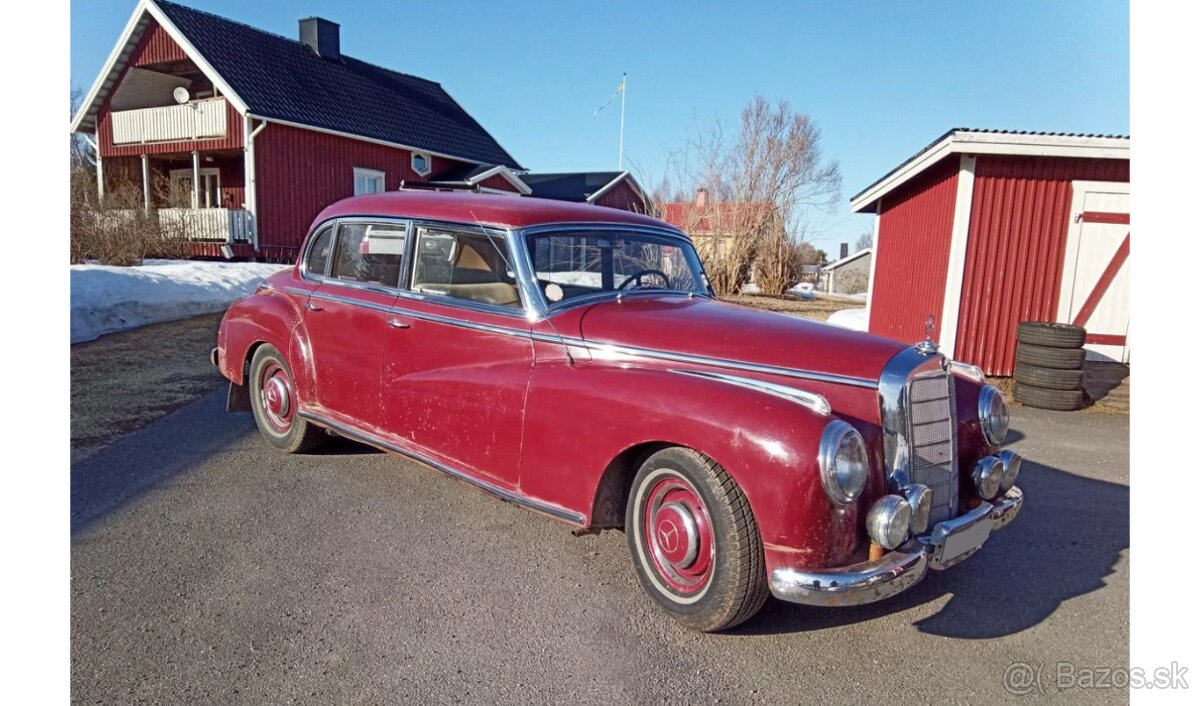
{"x":889,"y":520}
{"x":993,"y":415}
{"x":843,"y":459}
{"x":920,"y":499}
{"x":987,"y":476}
{"x":1011,"y":461}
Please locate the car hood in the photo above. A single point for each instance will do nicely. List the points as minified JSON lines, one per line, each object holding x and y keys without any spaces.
{"x":704,"y":327}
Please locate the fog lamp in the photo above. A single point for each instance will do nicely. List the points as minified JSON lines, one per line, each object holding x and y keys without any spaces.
{"x":889,"y":520}
{"x":987,"y":475}
{"x":1011,"y":461}
{"x":920,"y":500}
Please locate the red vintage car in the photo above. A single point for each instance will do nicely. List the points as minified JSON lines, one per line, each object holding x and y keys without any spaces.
{"x":572,"y":359}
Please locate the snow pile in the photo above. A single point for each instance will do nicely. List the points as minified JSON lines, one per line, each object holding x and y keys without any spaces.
{"x":106,"y":299}
{"x":853,"y":319}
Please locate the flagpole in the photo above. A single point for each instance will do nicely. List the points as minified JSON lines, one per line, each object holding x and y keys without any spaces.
{"x":621,"y":143}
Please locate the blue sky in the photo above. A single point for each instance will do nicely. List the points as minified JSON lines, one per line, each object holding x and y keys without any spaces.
{"x":881,"y":79}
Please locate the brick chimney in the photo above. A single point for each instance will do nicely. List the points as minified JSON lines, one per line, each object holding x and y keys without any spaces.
{"x":701,"y":197}
{"x":322,"y":36}
{"x":845,"y":251}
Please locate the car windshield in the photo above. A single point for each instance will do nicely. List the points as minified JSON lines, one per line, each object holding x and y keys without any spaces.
{"x":570,"y":265}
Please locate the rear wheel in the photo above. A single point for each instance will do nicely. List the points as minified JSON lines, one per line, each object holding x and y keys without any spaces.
{"x":273,"y":399}
{"x":695,"y":545}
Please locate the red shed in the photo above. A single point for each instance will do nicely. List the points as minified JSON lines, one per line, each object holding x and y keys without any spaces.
{"x":983,"y":229}
{"x":245,"y":136}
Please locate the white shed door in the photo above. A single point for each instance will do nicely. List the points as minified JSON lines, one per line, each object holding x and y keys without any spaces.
{"x":1095,"y":285}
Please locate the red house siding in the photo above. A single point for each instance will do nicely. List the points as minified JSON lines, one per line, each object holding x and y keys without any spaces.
{"x":299,"y":172}
{"x":156,"y":47}
{"x":1015,"y":250}
{"x":498,"y":182}
{"x":913,"y":253}
{"x":623,"y":196}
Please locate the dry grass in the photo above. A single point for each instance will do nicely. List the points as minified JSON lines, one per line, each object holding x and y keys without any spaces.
{"x":123,"y":381}
{"x":818,"y":309}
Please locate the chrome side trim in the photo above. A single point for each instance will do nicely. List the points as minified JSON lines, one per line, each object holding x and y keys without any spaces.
{"x":347,"y":300}
{"x":561,"y":513}
{"x":811,"y":400}
{"x":612,"y":348}
{"x":867,"y":582}
{"x":617,"y":349}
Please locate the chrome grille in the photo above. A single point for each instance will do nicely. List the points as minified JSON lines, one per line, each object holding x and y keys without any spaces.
{"x":931,"y":431}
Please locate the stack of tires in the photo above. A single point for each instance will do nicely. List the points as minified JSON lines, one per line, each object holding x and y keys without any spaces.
{"x":1049,"y":372}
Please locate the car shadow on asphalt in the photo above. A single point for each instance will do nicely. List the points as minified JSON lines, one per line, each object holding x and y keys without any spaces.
{"x":1066,"y":541}
{"x":131,"y":466}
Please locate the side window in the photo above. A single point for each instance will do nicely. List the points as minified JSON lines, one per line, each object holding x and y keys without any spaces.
{"x":318,"y":252}
{"x":469,"y":266}
{"x":371,"y":253}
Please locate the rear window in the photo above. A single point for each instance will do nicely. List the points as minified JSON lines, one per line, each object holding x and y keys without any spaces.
{"x":318,"y":252}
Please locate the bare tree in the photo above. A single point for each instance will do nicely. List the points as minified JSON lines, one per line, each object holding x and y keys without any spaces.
{"x":865,"y":240}
{"x":755,"y":184}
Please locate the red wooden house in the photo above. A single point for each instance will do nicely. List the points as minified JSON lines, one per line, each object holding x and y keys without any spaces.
{"x":612,"y":189}
{"x":252,"y":134}
{"x":983,"y":229}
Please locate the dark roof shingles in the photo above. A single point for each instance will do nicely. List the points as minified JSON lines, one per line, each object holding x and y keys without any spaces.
{"x":568,"y":186}
{"x":283,"y":79}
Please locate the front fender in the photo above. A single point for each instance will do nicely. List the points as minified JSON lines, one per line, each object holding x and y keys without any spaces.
{"x":579,"y":418}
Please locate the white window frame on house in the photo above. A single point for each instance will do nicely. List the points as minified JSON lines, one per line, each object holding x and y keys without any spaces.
{"x":177,"y":175}
{"x":369,"y":175}
{"x":428,"y":163}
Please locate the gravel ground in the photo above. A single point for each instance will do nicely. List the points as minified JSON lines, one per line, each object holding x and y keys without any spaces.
{"x":209,"y":569}
{"x":124,"y":380}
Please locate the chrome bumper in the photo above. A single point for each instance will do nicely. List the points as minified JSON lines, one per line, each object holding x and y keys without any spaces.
{"x":899,"y":570}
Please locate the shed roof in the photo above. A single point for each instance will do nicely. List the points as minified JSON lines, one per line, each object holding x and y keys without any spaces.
{"x":981,"y":141}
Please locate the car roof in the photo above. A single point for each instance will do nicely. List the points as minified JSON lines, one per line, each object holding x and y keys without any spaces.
{"x":483,"y":209}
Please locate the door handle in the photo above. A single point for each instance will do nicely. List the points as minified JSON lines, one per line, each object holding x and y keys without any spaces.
{"x":397,"y":323}
{"x":312,"y":307}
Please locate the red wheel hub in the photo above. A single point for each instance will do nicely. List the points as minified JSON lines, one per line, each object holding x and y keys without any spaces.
{"x":678,"y":534}
{"x":275,"y":393}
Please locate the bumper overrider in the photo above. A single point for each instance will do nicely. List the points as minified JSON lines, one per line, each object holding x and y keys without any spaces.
{"x":947,"y":544}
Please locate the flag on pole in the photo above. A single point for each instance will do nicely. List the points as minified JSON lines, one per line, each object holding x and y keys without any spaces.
{"x":620,"y":89}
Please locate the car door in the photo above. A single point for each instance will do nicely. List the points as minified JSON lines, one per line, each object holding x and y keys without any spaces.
{"x":455,"y":380}
{"x":348,"y":317}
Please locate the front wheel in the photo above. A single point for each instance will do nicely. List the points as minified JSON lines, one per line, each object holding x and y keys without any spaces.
{"x":695,"y":545}
{"x":273,"y":399}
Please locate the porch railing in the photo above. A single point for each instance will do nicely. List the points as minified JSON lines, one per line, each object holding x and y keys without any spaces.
{"x":229,"y":225}
{"x":190,"y":121}
{"x":233,"y":225}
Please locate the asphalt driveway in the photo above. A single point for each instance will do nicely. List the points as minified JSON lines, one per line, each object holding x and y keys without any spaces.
{"x":207,"y":568}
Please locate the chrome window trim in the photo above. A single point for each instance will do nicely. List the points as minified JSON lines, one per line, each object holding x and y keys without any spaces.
{"x":523,"y":310}
{"x":811,"y":400}
{"x":561,"y":513}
